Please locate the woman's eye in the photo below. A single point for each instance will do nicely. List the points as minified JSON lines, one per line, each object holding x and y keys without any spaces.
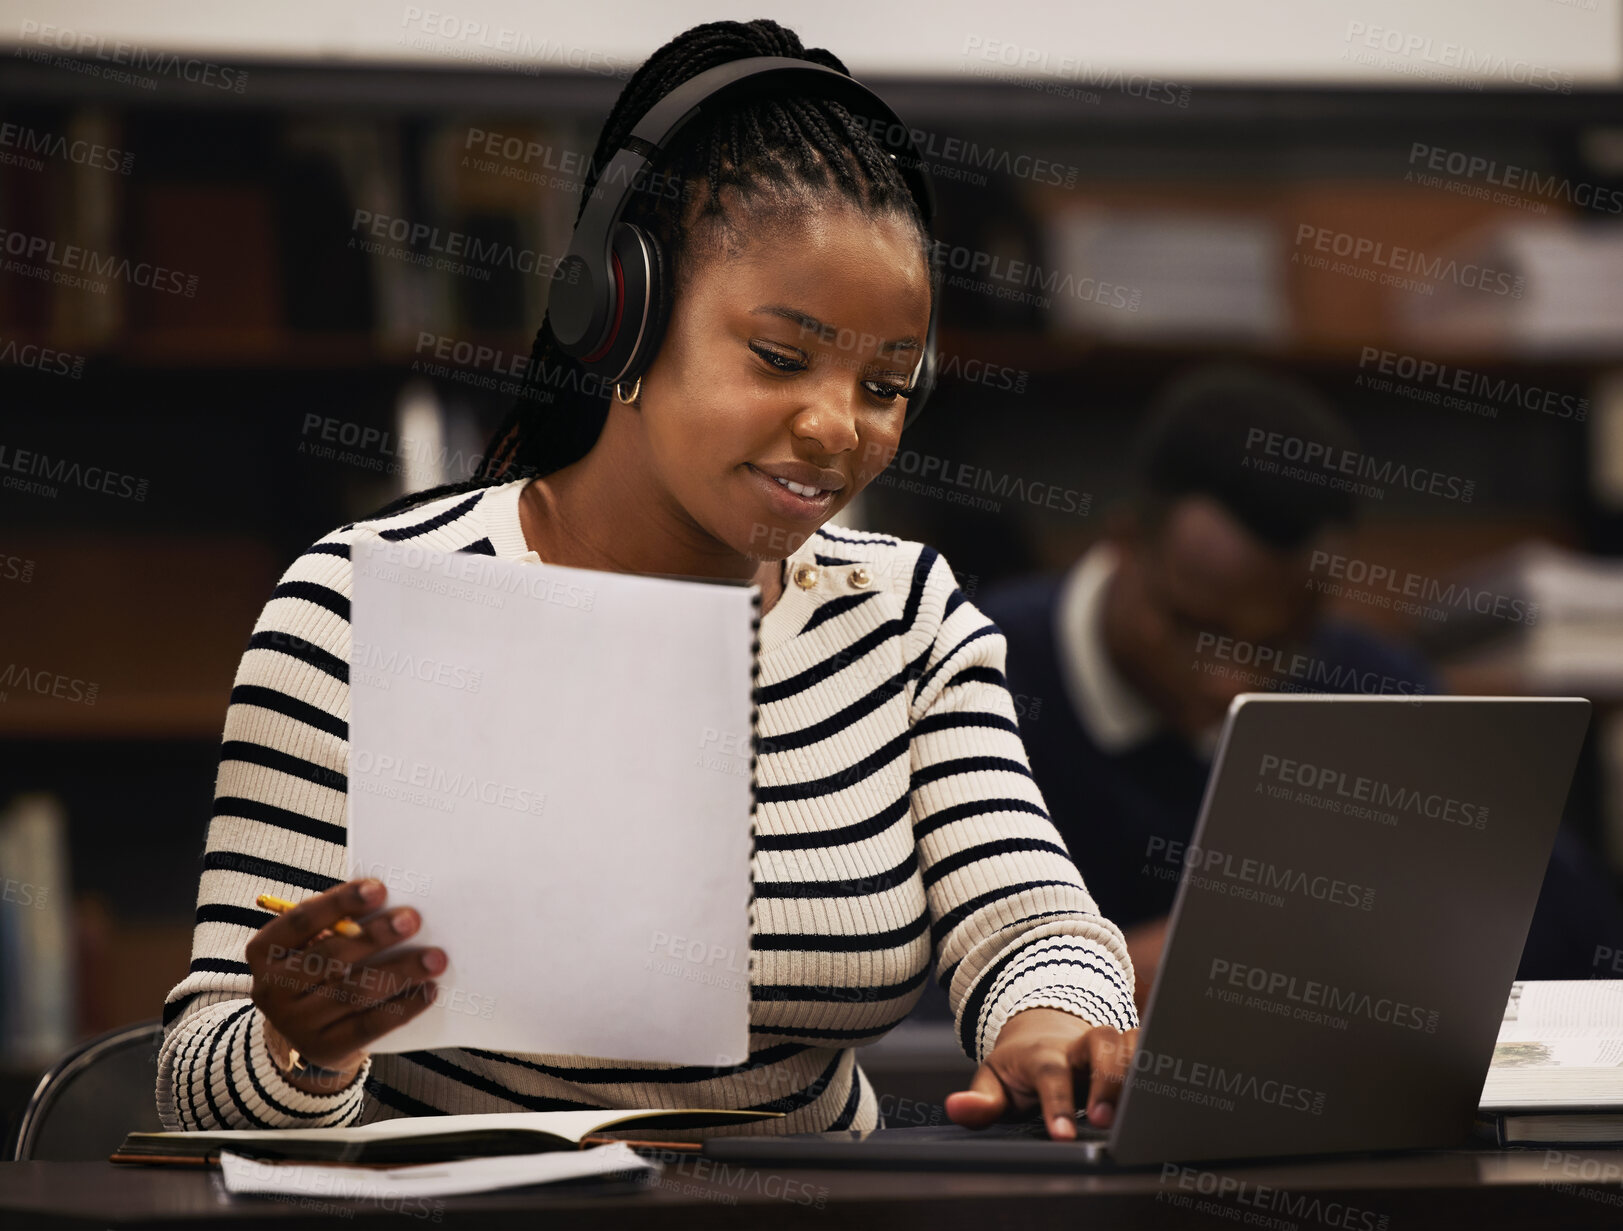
{"x":885,"y":391}
{"x":780,"y":361}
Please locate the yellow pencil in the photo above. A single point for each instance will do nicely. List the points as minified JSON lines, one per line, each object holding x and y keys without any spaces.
{"x":344,"y":927}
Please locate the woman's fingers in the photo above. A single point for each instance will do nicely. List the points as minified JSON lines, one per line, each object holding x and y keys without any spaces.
{"x":357,"y":987}
{"x":307,"y":978}
{"x":1046,"y":1057}
{"x":301,"y":925}
{"x":386,"y":929}
{"x":984,"y":1102}
{"x":1106,"y":1053}
{"x":1049,"y":1071}
{"x":354,"y":1032}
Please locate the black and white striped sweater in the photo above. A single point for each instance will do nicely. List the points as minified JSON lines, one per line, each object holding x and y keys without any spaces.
{"x":899,"y":835}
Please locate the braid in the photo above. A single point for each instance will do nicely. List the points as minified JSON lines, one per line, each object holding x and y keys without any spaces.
{"x":779,"y":154}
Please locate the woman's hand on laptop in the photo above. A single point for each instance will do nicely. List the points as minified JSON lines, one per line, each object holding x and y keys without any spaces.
{"x":324,"y":994}
{"x":1039,"y":1057}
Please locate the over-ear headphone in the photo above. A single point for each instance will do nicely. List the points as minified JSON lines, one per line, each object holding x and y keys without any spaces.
{"x":608,"y":295}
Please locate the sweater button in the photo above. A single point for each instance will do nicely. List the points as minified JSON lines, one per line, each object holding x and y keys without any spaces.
{"x":861,"y":579}
{"x":805,"y":576}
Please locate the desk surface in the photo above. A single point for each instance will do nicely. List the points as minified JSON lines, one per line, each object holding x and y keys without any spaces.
{"x":1466,"y":1189}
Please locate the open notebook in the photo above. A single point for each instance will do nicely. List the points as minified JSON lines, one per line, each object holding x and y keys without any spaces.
{"x":553,"y":765}
{"x":427,"y":1139}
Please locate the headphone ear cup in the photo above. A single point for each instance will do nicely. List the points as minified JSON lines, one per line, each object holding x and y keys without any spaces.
{"x":661,"y":293}
{"x":632,"y":273}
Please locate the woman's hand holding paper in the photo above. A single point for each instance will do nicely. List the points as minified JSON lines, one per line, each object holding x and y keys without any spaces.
{"x":321,"y":993}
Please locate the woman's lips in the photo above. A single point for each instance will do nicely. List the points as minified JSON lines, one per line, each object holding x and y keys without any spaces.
{"x":788,"y":504}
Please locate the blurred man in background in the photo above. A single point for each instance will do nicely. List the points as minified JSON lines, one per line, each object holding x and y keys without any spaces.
{"x":1203,"y":589}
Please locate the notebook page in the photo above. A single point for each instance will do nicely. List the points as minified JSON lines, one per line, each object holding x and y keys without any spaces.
{"x":325,"y":1181}
{"x":552,"y":766}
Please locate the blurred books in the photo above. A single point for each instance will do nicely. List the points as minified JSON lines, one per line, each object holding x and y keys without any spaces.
{"x":36,"y":932}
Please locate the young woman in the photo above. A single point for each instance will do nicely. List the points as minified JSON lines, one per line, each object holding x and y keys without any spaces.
{"x":900,"y":834}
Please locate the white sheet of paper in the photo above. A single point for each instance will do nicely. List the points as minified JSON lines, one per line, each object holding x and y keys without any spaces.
{"x":336,"y":1182}
{"x":552,"y":766}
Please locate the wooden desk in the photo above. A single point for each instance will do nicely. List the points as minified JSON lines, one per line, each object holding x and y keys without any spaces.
{"x":1463,"y":1189}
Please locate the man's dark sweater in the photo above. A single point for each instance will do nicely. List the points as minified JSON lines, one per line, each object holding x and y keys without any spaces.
{"x":1119,"y":811}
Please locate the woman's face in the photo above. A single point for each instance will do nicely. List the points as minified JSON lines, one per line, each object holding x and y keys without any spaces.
{"x":784,"y":360}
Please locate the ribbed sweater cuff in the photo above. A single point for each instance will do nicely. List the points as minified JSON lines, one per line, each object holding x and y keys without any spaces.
{"x":284,"y":1105}
{"x":1093,"y":988}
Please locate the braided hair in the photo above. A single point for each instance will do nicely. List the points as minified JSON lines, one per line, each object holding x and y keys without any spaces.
{"x":778,"y":154}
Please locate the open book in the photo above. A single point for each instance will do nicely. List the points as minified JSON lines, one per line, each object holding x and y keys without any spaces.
{"x":1557,"y":1071}
{"x":426,"y":1139}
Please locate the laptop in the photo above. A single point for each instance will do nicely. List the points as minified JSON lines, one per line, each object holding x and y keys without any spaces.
{"x":1350,"y":914}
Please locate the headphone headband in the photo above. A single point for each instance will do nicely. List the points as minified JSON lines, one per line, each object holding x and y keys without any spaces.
{"x":589,"y":285}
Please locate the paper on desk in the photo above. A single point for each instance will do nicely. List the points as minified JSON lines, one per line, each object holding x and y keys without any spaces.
{"x":552,"y":765}
{"x":346,"y":1182}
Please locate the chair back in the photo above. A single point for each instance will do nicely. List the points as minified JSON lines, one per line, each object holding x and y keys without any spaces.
{"x":92,"y":1097}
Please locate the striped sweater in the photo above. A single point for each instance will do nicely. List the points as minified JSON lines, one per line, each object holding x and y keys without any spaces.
{"x":900,"y":835}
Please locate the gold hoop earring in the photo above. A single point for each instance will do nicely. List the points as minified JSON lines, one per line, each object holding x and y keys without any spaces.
{"x":636,"y":392}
